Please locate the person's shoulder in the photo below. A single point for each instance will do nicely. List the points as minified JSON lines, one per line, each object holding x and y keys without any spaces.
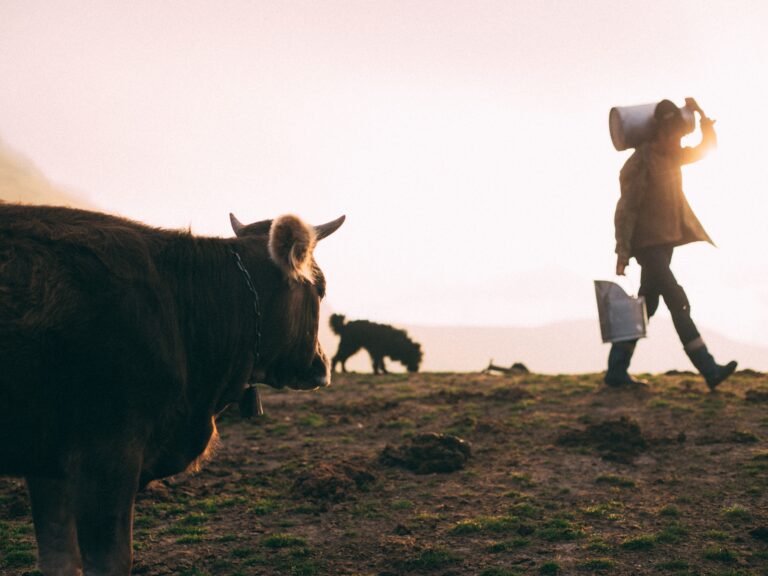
{"x":636,"y":160}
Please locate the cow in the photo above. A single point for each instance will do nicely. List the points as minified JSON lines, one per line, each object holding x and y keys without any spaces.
{"x":120,"y":343}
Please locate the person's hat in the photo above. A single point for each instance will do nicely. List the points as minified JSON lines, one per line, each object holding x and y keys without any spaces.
{"x":667,"y":112}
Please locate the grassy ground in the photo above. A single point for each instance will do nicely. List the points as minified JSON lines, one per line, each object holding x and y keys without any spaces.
{"x":302,"y":492}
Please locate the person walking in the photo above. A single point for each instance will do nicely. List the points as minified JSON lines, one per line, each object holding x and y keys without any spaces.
{"x":652,"y":218}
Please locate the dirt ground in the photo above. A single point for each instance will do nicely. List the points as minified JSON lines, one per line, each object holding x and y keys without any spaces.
{"x":538,"y":475}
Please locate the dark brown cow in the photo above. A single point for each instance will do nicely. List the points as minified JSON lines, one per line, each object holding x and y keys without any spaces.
{"x":119,"y":345}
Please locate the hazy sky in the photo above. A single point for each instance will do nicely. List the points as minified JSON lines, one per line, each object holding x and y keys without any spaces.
{"x":467,"y":142}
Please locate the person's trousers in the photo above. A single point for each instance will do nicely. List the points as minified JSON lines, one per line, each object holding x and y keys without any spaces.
{"x":657,"y":280}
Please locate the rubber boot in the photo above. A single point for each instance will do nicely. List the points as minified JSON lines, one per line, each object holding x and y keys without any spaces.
{"x":618,"y":363}
{"x":713,"y":372}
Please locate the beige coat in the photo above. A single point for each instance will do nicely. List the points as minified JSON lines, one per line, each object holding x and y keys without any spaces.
{"x":653,"y":210}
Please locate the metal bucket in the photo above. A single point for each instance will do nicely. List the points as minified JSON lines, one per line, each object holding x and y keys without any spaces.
{"x":633,"y":125}
{"x":622,"y":317}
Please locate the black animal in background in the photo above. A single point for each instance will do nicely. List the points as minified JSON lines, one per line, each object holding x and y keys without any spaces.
{"x":379,"y":340}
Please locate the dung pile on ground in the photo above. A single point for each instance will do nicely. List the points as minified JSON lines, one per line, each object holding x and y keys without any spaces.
{"x":331,"y":482}
{"x":509,"y":394}
{"x":427,"y":453}
{"x":756,"y":395}
{"x":618,"y":440}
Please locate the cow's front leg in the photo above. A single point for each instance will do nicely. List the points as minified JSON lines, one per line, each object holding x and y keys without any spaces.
{"x":54,"y":517}
{"x":106,"y":490}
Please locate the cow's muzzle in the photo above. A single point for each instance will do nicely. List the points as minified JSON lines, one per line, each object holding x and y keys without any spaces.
{"x":318,"y":376}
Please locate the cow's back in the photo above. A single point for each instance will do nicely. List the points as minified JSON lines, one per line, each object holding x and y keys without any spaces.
{"x":79,"y":303}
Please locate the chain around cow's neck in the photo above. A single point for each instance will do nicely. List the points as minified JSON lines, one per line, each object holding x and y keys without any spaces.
{"x":256,"y":306}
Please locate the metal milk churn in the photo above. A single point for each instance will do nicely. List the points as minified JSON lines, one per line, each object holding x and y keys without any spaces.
{"x":622,"y":317}
{"x":633,"y":125}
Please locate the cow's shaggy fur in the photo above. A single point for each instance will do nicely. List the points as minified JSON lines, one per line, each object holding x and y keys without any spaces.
{"x":379,"y":340}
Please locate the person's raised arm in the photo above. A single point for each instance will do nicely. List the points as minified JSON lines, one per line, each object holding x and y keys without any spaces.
{"x":708,"y":135}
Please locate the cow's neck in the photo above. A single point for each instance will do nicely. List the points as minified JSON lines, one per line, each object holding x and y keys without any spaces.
{"x":214,"y":309}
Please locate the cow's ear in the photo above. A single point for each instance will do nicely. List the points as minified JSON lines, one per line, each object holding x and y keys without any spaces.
{"x":291,"y":243}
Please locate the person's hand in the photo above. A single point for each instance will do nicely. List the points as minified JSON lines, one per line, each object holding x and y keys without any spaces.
{"x":693,"y":105}
{"x":621,"y":265}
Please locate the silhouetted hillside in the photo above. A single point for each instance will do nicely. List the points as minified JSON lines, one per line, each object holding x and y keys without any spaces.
{"x":22,"y":181}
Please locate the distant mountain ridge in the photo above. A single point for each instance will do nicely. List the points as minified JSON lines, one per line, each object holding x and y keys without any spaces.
{"x":21,"y":181}
{"x":560,"y":348}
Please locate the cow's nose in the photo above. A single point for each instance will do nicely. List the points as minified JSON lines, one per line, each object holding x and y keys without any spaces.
{"x":321,"y":372}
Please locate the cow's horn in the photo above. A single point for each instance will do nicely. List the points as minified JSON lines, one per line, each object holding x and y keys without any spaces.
{"x":237,"y":226}
{"x":329,"y":227}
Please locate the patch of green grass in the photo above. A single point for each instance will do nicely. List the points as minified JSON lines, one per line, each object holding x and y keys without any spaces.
{"x":227,"y":538}
{"x":522,"y":479}
{"x":598,"y":545}
{"x":737,"y":513}
{"x":720,"y":554}
{"x":213,"y":505}
{"x":181,"y":530}
{"x":550,"y":569}
{"x":675,"y":532}
{"x":277,"y":541}
{"x":401,"y":504}
{"x":559,"y":530}
{"x":676,"y":565}
{"x":614,"y":480}
{"x":507,"y":545}
{"x":606,"y":510}
{"x":311,"y":420}
{"x":144,"y":522}
{"x":280,"y":429}
{"x":368,"y":510}
{"x":525,"y":510}
{"x":194,"y":519}
{"x":17,"y":558}
{"x":308,"y":508}
{"x":399,"y":424}
{"x":263,"y":506}
{"x":718,"y":535}
{"x":495,"y":524}
{"x":516,"y":495}
{"x":639,"y":543}
{"x":190,"y":539}
{"x":658,"y":403}
{"x":670,"y":511}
